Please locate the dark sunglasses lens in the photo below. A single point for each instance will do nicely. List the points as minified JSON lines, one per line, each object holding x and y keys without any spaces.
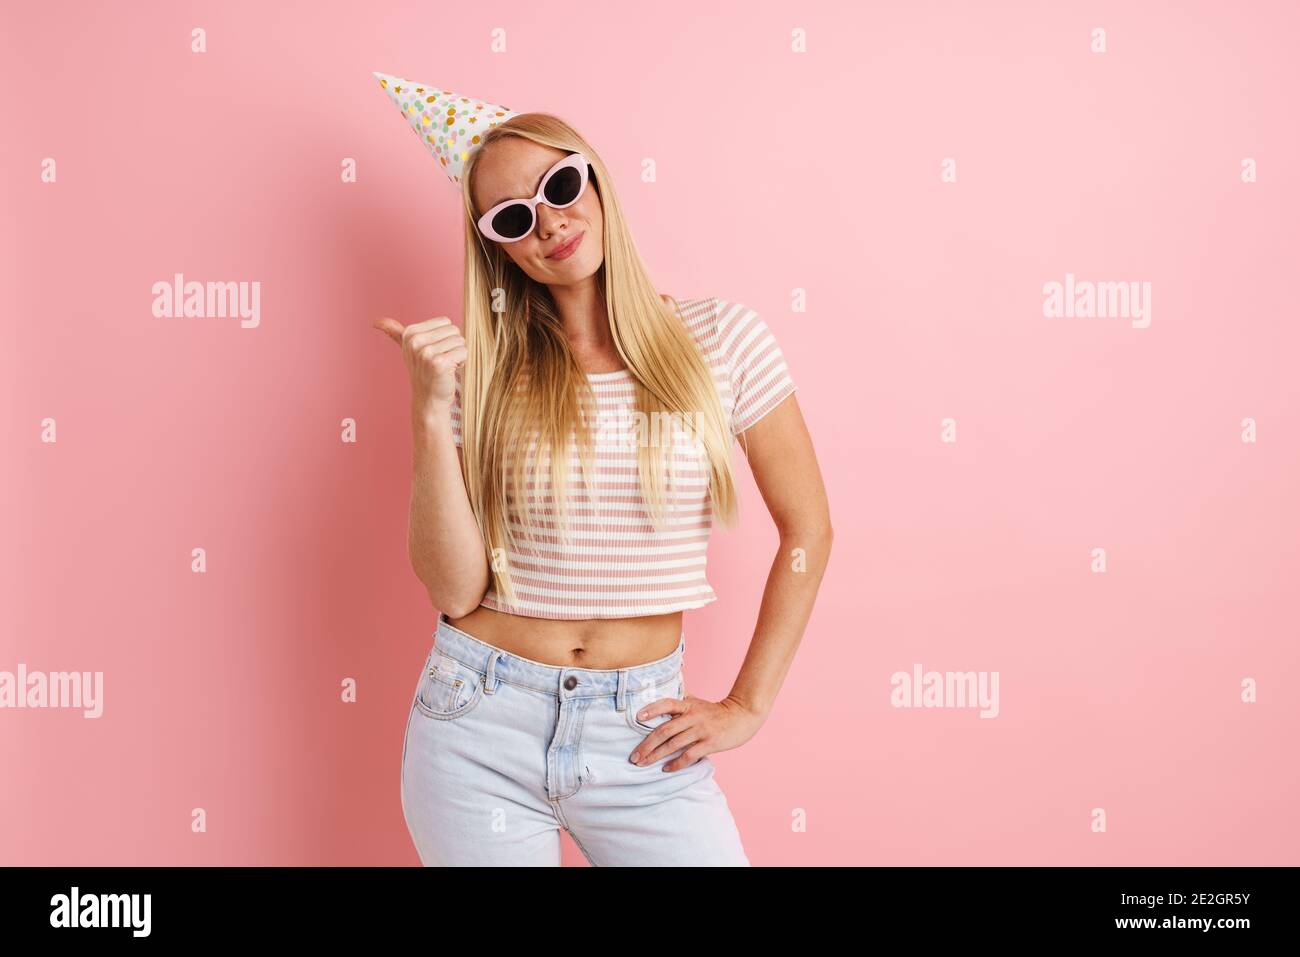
{"x":514,"y":221}
{"x":562,"y":188}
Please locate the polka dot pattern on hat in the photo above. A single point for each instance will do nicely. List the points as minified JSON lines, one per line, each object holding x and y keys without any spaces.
{"x":449,"y":124}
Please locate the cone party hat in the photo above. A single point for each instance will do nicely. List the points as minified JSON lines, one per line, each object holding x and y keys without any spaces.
{"x":449,"y":124}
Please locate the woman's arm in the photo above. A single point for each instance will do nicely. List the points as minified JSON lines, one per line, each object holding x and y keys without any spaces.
{"x":781,"y":456}
{"x":443,"y":540}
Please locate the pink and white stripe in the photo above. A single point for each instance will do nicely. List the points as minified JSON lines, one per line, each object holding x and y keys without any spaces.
{"x":615,"y":564}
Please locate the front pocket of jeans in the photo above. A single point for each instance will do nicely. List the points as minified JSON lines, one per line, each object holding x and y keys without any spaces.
{"x":637,"y":699}
{"x":448,"y":689}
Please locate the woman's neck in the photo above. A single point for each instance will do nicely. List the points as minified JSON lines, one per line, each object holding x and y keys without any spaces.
{"x":585,"y":318}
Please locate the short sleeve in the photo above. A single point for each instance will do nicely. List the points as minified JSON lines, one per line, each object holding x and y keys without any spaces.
{"x":759,"y":376}
{"x":455,"y":412}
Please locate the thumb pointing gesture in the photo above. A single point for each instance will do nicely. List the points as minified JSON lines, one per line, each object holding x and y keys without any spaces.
{"x":433,"y":350}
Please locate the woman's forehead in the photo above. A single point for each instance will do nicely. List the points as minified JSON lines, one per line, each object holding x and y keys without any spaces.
{"x":512,"y":168}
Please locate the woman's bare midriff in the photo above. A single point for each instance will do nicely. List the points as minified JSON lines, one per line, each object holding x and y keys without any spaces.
{"x":600,"y":643}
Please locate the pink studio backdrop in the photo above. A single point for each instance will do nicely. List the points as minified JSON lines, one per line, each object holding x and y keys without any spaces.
{"x":821,"y":171}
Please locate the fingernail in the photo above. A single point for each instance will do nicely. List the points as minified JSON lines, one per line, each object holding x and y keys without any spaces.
{"x":634,"y":758}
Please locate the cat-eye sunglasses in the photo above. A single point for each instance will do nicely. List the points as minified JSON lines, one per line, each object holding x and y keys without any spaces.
{"x":513,"y":219}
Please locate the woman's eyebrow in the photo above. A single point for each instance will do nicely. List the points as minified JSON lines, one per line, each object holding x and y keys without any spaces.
{"x":497,"y":202}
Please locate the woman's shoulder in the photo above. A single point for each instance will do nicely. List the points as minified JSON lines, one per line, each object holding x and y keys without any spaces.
{"x":699,"y":314}
{"x":719,"y":324}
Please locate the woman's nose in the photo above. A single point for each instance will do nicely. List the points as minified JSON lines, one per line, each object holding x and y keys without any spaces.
{"x":549,"y":220}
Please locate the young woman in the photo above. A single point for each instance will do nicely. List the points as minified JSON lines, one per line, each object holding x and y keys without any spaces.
{"x":570,"y":451}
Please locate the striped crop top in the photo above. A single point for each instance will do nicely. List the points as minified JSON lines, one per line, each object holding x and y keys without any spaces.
{"x":616,"y":565}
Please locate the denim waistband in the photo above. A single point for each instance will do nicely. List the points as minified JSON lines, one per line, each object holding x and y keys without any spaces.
{"x":497,"y":664}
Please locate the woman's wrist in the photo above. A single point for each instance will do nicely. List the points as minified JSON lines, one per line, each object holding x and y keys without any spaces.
{"x":431,"y":425}
{"x":755,"y":706}
{"x":430,"y":414}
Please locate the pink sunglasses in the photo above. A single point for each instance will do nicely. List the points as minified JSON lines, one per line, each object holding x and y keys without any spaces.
{"x":513,"y":219}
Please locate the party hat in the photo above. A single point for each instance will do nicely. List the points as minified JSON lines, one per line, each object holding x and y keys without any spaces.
{"x":449,"y":125}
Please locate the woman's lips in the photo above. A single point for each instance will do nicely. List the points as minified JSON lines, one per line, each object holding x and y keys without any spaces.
{"x":565,"y":251}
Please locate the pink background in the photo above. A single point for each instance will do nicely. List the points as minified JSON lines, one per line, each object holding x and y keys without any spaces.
{"x":776,"y":171}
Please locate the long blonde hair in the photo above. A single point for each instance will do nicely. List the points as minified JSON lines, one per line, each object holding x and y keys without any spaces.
{"x":522,"y":384}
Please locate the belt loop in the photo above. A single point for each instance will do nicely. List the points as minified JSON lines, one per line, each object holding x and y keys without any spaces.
{"x":620,"y":696}
{"x":490,"y":679}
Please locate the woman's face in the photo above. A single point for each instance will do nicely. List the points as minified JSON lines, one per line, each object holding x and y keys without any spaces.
{"x":512,"y":168}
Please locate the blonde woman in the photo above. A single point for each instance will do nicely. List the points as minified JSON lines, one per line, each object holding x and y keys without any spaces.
{"x":570,"y":451}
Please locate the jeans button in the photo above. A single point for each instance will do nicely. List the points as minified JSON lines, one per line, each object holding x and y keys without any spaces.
{"x":571,"y":682}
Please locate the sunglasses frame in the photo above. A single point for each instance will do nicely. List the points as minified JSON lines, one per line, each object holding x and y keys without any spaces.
{"x":576,"y":160}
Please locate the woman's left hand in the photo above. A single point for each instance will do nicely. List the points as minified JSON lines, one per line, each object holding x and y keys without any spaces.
{"x":700,"y":727}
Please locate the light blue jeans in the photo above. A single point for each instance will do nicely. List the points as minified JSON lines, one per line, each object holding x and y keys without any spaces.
{"x":502,"y":751}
